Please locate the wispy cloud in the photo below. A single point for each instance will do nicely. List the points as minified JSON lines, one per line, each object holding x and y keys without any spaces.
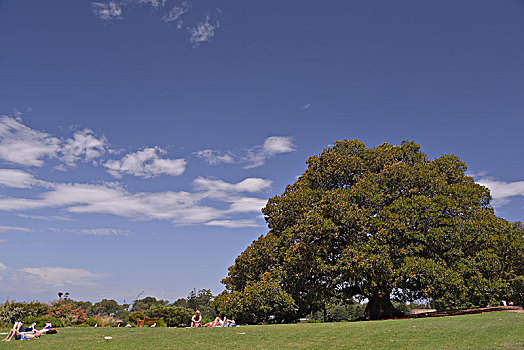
{"x":247,"y":185}
{"x":202,"y":31}
{"x":146,"y":163}
{"x":214,"y":157}
{"x":14,"y":228}
{"x":251,"y":157}
{"x":16,"y":178}
{"x":306,"y":106}
{"x":42,"y":279}
{"x":107,"y":11}
{"x":25,"y":146}
{"x":257,"y":155}
{"x":154,"y":3}
{"x":233,"y":223}
{"x":176,"y":13}
{"x":22,"y":145}
{"x":45,"y":218}
{"x":502,"y":191}
{"x":199,"y":32}
{"x":178,"y":207}
{"x":103,"y":231}
{"x":84,"y":146}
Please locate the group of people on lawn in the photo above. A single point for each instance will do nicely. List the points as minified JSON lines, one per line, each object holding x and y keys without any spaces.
{"x":20,"y":332}
{"x":196,"y":321}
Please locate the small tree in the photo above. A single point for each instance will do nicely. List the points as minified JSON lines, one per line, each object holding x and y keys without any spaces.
{"x":258,"y":302}
{"x":67,"y":312}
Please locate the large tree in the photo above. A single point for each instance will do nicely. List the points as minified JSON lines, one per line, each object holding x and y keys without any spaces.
{"x":383,"y":223}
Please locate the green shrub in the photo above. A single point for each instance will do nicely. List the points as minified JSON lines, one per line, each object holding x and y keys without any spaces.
{"x":160,"y":323}
{"x":11,"y":312}
{"x":135,"y":316}
{"x":93,"y":321}
{"x":41,"y":320}
{"x":171,"y":315}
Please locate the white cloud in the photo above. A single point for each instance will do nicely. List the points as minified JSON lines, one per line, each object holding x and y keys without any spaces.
{"x":146,"y":163}
{"x":176,"y":13}
{"x":83,"y":146}
{"x":107,"y":11}
{"x":45,"y":218}
{"x":154,"y":3}
{"x":252,"y":157}
{"x":233,"y":223}
{"x":103,"y":231}
{"x":25,"y":146}
{"x":45,"y":279}
{"x":246,"y":205}
{"x":502,"y":191}
{"x":179,"y":207}
{"x":202,"y":31}
{"x":247,"y":185}
{"x":257,"y":155}
{"x":216,"y":157}
{"x":14,"y":228}
{"x":61,"y":276}
{"x":18,"y":179}
{"x":306,"y":106}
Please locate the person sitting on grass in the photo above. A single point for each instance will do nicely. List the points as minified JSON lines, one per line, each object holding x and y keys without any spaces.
{"x":15,"y":333}
{"x":196,"y":320}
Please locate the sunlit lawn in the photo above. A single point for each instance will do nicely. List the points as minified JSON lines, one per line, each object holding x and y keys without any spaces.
{"x":504,"y":330}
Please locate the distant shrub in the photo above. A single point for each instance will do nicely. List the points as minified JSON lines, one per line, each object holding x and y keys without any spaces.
{"x":135,"y":316}
{"x":171,"y":315}
{"x":68,"y":313}
{"x":11,"y":312}
{"x":93,"y":321}
{"x":313,"y":321}
{"x":161,"y":323}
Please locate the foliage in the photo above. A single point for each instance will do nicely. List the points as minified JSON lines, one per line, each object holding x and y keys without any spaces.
{"x":87,"y":306}
{"x":133,"y":317}
{"x":147,"y":303}
{"x":173,"y":316}
{"x":69,"y":313}
{"x":341,"y":312}
{"x":41,"y":321}
{"x":258,"y":302}
{"x":181,"y":302}
{"x":201,"y":301}
{"x":11,"y":311}
{"x":109,"y":307}
{"x":94,"y":321}
{"x":384,"y":224}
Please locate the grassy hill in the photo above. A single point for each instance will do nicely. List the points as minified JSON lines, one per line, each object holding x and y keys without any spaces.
{"x":503,"y":330}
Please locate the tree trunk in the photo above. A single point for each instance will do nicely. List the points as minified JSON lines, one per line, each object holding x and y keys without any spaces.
{"x":380,"y":307}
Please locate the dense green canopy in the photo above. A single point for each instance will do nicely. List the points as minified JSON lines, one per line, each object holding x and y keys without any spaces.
{"x":382,"y":223}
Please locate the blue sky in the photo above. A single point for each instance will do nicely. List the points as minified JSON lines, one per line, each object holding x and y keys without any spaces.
{"x":140,"y":138}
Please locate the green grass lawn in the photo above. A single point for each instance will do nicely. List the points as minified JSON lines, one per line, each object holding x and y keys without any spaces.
{"x":504,"y":330}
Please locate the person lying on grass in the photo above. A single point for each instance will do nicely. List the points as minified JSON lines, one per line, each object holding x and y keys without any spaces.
{"x":15,"y":333}
{"x":217,"y":322}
